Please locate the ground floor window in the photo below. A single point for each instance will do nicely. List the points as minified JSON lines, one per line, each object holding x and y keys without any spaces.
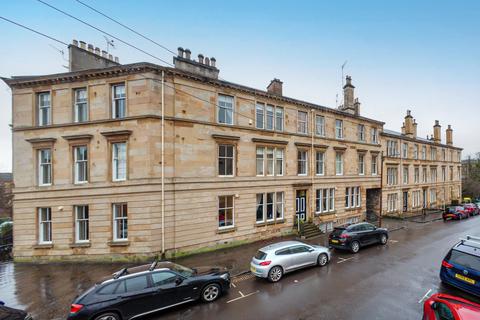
{"x":433,"y":196}
{"x":352,"y":197}
{"x":120,"y":222}
{"x":326,"y":227}
{"x":44,"y":225}
{"x":225,"y":212}
{"x":270,"y":206}
{"x":325,"y":200}
{"x":392,"y":202}
{"x":81,"y":224}
{"x":352,"y":220}
{"x":416,"y":201}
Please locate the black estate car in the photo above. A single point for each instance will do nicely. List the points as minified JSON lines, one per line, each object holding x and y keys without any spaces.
{"x":353,"y":237}
{"x":134,"y":292}
{"x":8,"y":313}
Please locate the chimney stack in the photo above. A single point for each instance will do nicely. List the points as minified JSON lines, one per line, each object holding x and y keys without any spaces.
{"x":204,"y":66}
{"x":437,"y":136}
{"x":180,"y":52}
{"x":449,"y":133}
{"x":83,"y":56}
{"x":403,"y":128}
{"x":356,"y":107}
{"x":350,"y":104}
{"x":409,"y":124}
{"x":275,"y":87}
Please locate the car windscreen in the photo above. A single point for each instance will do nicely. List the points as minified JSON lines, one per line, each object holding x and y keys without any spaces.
{"x":184,"y":271}
{"x":465,"y":260}
{"x":260,"y":255}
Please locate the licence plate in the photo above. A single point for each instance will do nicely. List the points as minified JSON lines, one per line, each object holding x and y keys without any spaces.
{"x":253,"y":269}
{"x":463,"y":278}
{"x":334,"y":241}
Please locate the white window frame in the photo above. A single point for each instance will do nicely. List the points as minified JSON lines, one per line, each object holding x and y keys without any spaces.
{"x":374,"y":133}
{"x":226,"y":208}
{"x":302,"y":156}
{"x":123,"y":218}
{"x":374,"y":165}
{"x":405,"y":150}
{"x":324,"y":200}
{"x":279,"y":118}
{"x":353,"y":197}
{"x":302,"y":124}
{"x":339,"y":129}
{"x":320,"y":163}
{"x":42,"y":164}
{"x":226,"y":159}
{"x":415,"y":151}
{"x":78,"y":163}
{"x":392,"y":176}
{"x":262,"y":161}
{"x":259,"y":115}
{"x":361,"y":132}
{"x":269,"y":117}
{"x":361,"y":164}
{"x":339,"y":163}
{"x":42,"y":224}
{"x":405,"y":174}
{"x":116,"y":159}
{"x":416,"y":175}
{"x":424,"y":152}
{"x":44,"y":108}
{"x":118,"y":98}
{"x":78,"y":104}
{"x":319,"y":125}
{"x":82,"y":219}
{"x":275,"y":204}
{"x":392,"y":200}
{"x":222,"y":106}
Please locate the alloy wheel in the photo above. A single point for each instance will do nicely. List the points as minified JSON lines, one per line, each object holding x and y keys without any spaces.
{"x":355,"y":247}
{"x":322,"y":259}
{"x":275,"y":274}
{"x":107,"y":317}
{"x":383,"y":239}
{"x":211,"y":292}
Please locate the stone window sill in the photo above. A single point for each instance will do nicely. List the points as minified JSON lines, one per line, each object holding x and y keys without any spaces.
{"x":325,"y":213}
{"x":43,"y":246}
{"x":268,"y":223}
{"x":118,"y":243}
{"x":226,"y":230}
{"x":80,"y":245}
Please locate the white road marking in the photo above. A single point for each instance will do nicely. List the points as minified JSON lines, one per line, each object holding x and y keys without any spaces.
{"x":241,"y":293}
{"x":233,"y":284}
{"x":425,"y":296}
{"x":243,"y":296}
{"x":344,"y":259}
{"x":393,"y":241}
{"x":295,"y":281}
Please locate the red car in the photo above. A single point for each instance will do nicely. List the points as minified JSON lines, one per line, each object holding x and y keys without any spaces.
{"x":454,"y":213}
{"x":471,"y":209}
{"x":446,"y":307}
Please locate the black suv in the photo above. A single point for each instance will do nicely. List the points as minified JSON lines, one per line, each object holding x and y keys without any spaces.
{"x":353,"y":237}
{"x":142,"y":290}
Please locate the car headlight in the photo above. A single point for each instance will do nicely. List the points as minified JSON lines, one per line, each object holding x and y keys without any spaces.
{"x":225,"y":276}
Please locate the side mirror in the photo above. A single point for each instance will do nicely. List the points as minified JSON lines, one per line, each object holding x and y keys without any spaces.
{"x":178,"y":280}
{"x":311,"y":249}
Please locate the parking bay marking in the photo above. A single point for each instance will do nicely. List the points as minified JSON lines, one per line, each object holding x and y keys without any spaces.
{"x":242,"y":296}
{"x":425,"y":296}
{"x":344,"y":259}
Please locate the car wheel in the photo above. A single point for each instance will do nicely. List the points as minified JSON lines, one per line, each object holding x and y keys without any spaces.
{"x":108,"y":316}
{"x":275,"y":274}
{"x":355,"y":246}
{"x":211,"y":292}
{"x":322,"y":259}
{"x":383,"y":239}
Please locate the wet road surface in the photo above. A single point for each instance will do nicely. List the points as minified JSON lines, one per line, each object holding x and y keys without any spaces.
{"x":380,"y":282}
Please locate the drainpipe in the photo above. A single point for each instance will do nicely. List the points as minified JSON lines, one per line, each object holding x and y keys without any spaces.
{"x":163,"y":164}
{"x":381,"y":191}
{"x":312,"y":167}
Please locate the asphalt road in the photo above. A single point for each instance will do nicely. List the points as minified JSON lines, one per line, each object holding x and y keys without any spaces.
{"x":380,"y":282}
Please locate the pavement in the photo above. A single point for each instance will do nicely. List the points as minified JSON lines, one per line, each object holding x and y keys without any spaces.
{"x":380,"y":282}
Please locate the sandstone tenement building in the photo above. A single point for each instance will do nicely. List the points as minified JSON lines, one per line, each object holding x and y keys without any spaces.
{"x":114,"y":161}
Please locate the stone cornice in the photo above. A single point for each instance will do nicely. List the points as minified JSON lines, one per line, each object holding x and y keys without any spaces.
{"x":269,"y":141}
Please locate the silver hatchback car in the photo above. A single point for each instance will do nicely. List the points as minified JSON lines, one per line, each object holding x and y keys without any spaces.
{"x":273,"y":261}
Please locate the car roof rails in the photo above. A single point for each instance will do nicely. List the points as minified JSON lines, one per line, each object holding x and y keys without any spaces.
{"x":153,"y":265}
{"x":120,"y":273}
{"x":475,"y":240}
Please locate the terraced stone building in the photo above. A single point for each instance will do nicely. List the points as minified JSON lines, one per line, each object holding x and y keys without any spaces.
{"x":117,"y":161}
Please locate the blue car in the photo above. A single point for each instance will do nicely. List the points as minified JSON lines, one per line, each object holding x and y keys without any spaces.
{"x":461,"y":266}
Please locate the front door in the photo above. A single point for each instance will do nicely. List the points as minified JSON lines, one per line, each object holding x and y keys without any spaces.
{"x":301,"y":205}
{"x":405,"y":201}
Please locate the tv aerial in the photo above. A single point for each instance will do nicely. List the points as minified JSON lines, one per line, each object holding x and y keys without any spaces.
{"x":62,"y":53}
{"x":110,"y":43}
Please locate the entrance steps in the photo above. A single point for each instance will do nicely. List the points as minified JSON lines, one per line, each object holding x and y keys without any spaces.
{"x":310,"y":230}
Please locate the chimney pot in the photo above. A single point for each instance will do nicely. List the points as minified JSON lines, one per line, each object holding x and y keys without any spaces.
{"x":110,"y":57}
{"x":90,"y":47}
{"x":207,"y":61}
{"x":83,"y":44}
{"x":75,"y":42}
{"x":188,"y":54}
{"x":212,"y":61}
{"x":104,"y":53}
{"x":180,"y":52}
{"x":200,"y":58}
{"x":116,"y":60}
{"x":97,"y":51}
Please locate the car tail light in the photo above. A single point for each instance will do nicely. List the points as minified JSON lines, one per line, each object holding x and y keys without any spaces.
{"x":446,"y":264}
{"x":344,"y":236}
{"x":265,"y":263}
{"x":74,"y":308}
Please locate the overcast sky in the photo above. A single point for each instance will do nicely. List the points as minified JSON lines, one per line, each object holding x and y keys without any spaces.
{"x":418,"y":55}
